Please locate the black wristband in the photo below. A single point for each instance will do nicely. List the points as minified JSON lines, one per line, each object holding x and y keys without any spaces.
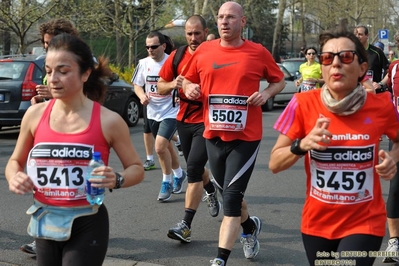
{"x":295,"y":148}
{"x":382,"y":89}
{"x":119,"y":180}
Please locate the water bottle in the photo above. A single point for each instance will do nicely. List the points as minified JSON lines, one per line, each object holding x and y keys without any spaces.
{"x":94,"y":195}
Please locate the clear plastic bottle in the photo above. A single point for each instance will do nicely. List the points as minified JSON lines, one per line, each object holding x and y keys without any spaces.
{"x":94,"y":195}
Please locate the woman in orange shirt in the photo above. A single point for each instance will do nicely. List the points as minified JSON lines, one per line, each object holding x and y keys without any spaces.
{"x":337,"y":130}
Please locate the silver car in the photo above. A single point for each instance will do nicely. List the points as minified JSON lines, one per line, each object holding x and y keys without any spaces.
{"x":293,"y":64}
{"x":285,"y":95}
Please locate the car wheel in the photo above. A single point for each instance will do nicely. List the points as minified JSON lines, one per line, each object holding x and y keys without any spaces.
{"x":268,"y":106}
{"x":132,"y":112}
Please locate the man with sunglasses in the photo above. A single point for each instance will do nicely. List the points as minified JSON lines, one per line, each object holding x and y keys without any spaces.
{"x":161,"y":113}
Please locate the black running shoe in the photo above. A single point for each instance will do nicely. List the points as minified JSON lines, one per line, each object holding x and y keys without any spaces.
{"x":180,"y":232}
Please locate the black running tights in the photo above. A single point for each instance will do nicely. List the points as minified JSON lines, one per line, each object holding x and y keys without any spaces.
{"x":354,"y":247}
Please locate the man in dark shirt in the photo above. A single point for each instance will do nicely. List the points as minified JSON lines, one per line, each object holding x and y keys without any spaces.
{"x":378,"y":62}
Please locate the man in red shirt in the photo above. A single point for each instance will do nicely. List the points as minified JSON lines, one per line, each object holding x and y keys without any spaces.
{"x":225,"y":73}
{"x":190,"y":125}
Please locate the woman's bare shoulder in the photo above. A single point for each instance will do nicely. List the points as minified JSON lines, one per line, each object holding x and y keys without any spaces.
{"x":112,"y":122}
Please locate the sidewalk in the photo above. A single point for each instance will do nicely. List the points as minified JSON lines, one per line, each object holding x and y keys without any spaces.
{"x":119,"y":262}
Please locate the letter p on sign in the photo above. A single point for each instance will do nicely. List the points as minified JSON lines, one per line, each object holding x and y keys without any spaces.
{"x":382,"y":34}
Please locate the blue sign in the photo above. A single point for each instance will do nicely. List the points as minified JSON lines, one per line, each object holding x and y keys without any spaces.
{"x":382,"y":34}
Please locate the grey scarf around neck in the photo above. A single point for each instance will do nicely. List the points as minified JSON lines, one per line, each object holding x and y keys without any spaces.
{"x":348,"y":105}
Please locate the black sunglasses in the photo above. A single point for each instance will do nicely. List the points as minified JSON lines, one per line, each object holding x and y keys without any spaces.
{"x":153,"y":47}
{"x":311,"y":53}
{"x":346,"y":57}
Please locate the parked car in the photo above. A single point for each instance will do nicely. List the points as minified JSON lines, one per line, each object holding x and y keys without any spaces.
{"x":19,"y":75}
{"x":292,"y":65}
{"x":121,"y":98}
{"x":285,"y":95}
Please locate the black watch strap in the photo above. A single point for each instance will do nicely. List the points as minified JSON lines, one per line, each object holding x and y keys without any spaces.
{"x":382,"y":89}
{"x":119,"y":181}
{"x":295,"y":148}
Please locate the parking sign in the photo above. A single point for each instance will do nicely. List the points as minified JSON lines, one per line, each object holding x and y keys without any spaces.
{"x":382,"y":34}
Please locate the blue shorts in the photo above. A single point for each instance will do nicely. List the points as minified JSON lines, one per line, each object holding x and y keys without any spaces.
{"x":165,"y":128}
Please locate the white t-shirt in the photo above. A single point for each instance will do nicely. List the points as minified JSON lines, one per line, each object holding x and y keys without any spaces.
{"x":147,"y":74}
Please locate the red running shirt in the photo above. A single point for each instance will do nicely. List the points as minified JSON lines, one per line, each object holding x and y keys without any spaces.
{"x":228,"y":76}
{"x":393,"y":82}
{"x":166,"y":73}
{"x":343,"y":191}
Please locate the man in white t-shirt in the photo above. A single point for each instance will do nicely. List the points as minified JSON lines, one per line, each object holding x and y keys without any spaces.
{"x":161,"y":114}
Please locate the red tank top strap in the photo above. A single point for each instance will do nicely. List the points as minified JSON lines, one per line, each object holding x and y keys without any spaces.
{"x":44,"y":123}
{"x":95,"y":122}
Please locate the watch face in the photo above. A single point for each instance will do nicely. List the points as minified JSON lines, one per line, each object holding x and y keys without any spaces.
{"x":119,"y":180}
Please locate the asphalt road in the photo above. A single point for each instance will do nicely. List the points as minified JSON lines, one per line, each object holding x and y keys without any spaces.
{"x":139,"y":223}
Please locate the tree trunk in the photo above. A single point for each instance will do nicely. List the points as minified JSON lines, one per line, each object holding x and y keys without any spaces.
{"x":6,"y":42}
{"x":277,"y":30}
{"x":119,"y":47}
{"x":303,"y":21}
{"x":196,"y":7}
{"x":132,"y":53}
{"x":204,"y":7}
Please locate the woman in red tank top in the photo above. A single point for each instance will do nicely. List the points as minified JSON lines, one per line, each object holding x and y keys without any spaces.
{"x":69,"y":128}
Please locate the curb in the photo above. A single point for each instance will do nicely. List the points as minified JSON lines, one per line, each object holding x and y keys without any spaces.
{"x":119,"y":262}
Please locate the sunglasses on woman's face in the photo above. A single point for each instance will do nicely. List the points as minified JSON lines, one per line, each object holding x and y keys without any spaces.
{"x":346,"y":57}
{"x":311,"y":53}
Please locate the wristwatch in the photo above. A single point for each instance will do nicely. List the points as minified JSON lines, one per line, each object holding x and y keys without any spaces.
{"x":382,"y":88}
{"x":119,"y":181}
{"x":295,"y":148}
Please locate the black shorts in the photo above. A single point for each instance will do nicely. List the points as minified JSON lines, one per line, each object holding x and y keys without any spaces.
{"x":87,"y":246}
{"x":194,"y":149}
{"x":231,"y":164}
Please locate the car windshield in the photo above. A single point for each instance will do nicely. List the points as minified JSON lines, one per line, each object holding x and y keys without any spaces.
{"x":292,"y":66}
{"x":12,"y":70}
{"x":285,"y":71}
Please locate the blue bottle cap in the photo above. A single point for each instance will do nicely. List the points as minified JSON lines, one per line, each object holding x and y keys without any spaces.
{"x":97,"y":155}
